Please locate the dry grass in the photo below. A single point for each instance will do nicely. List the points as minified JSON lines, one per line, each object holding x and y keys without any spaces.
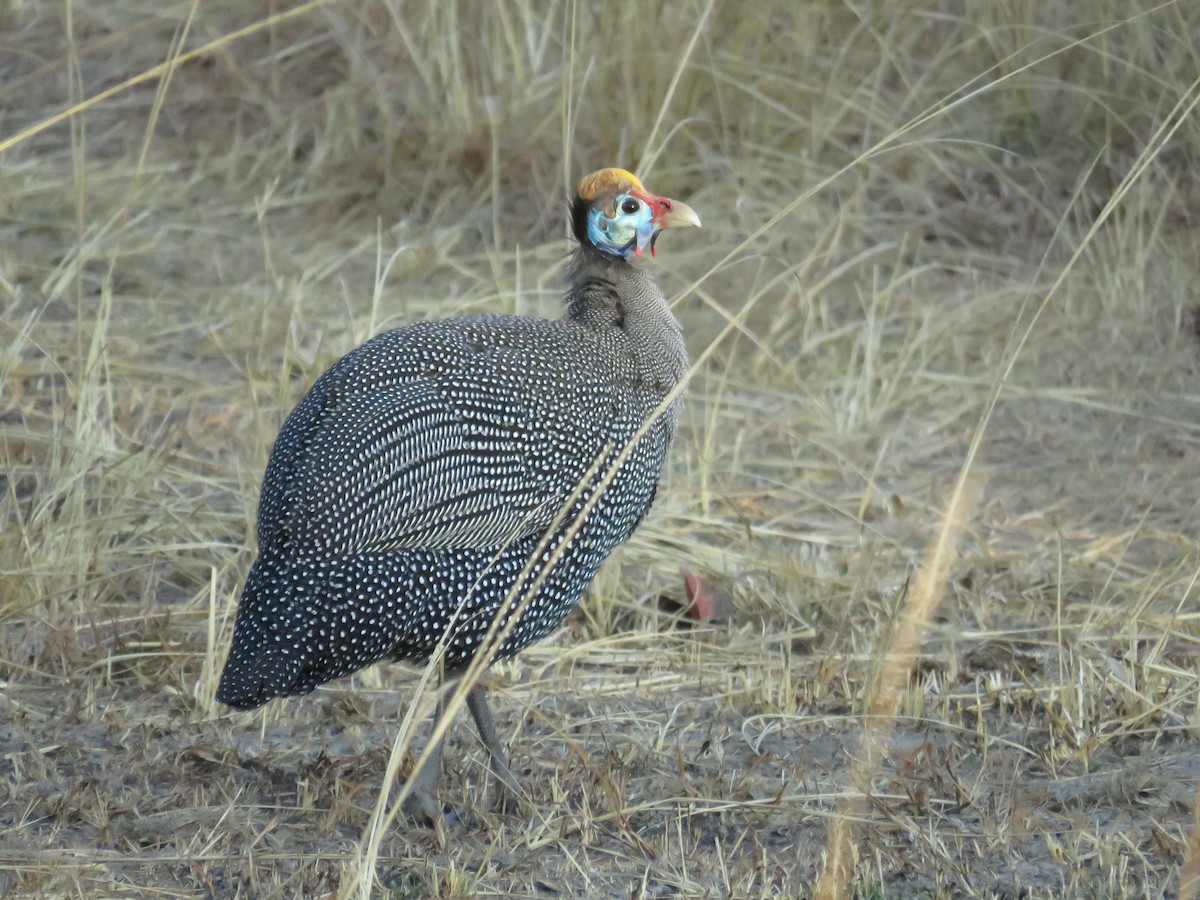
{"x":954,"y":250}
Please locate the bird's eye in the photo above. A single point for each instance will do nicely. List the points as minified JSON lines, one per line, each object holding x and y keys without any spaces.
{"x":630,"y":206}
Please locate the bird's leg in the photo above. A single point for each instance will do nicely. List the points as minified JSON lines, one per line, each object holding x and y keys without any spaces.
{"x":509,"y":788}
{"x":422,"y":803}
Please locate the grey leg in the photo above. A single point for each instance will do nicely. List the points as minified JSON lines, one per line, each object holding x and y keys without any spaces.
{"x":510,"y":788}
{"x":422,"y":803}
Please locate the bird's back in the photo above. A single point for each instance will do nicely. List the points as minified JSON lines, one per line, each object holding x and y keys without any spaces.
{"x":453,"y":433}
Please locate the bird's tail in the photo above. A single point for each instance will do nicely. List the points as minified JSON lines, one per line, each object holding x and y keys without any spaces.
{"x":270,"y":638}
{"x":304,"y":620}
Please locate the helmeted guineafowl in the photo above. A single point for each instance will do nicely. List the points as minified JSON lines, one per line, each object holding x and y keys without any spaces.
{"x":448,"y":469}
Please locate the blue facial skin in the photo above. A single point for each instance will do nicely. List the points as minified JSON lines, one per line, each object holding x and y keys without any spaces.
{"x":626,"y":234}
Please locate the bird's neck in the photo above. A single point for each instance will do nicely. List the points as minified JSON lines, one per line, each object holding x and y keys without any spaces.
{"x":606,"y":292}
{"x":609,"y":294}
{"x":623,"y":305}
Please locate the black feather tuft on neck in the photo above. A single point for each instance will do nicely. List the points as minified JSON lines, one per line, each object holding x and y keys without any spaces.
{"x":579,"y":220}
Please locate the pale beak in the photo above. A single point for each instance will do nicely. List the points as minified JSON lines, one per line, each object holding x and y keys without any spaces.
{"x":675,"y":214}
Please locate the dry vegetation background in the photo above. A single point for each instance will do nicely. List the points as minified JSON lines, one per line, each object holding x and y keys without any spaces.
{"x":938,"y":237}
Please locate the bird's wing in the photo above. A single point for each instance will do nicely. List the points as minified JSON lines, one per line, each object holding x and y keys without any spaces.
{"x":445,"y":458}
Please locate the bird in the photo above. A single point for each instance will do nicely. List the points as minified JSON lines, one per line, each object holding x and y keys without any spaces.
{"x":453,"y":473}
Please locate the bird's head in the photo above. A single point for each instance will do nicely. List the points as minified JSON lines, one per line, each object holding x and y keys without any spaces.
{"x":614,"y":213}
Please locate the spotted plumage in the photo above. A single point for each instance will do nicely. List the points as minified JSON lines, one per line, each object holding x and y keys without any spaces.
{"x":408,"y":491}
